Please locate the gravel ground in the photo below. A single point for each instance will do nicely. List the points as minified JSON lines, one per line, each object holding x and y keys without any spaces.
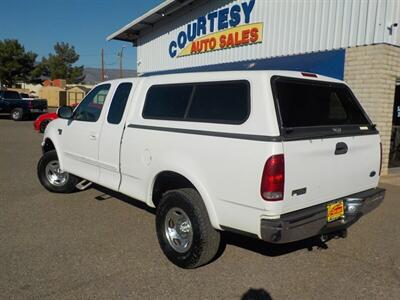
{"x":93,"y":245}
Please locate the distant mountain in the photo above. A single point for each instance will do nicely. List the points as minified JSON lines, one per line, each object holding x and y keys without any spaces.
{"x":92,"y":75}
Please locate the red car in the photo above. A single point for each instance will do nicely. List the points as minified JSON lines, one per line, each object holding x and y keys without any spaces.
{"x":42,"y":121}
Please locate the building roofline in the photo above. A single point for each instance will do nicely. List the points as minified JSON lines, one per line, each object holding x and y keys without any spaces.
{"x":131,"y":31}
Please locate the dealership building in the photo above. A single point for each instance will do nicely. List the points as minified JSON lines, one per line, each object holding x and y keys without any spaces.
{"x":353,"y":40}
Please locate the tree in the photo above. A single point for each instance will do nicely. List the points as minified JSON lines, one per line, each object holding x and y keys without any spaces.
{"x":60,"y":64}
{"x":16,"y":64}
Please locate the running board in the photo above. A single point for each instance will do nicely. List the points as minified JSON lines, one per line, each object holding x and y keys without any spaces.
{"x":83,"y":184}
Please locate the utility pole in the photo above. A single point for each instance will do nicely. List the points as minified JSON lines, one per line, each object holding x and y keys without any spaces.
{"x":121,"y":71}
{"x":102,"y":65}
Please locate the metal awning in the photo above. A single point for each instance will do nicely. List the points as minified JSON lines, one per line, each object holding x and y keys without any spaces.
{"x":131,"y":31}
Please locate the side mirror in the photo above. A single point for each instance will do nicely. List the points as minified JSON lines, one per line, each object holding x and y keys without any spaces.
{"x":64,"y":112}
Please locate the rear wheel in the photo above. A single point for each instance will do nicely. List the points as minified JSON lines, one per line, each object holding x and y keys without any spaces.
{"x":43,"y":125}
{"x":184,"y":230}
{"x":52,"y":178}
{"x":17,"y":114}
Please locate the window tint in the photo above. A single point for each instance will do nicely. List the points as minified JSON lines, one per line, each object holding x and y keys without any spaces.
{"x":90,"y":108}
{"x":118,"y":103}
{"x":11,"y":95}
{"x":303,"y":103}
{"x":222,"y":102}
{"x":167,"y":102}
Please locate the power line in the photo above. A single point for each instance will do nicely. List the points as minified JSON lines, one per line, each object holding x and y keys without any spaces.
{"x":81,"y":55}
{"x":105,"y":54}
{"x":111,"y":64}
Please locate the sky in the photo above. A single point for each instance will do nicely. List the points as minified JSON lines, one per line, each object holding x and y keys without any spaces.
{"x":85,"y":24}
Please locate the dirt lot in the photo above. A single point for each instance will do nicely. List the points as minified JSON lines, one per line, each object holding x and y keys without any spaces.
{"x":90,"y":245}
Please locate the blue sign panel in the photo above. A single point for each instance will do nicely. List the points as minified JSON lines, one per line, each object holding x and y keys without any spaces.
{"x":327,"y":63}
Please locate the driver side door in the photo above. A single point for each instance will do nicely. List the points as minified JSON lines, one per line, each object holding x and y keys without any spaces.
{"x":80,"y":137}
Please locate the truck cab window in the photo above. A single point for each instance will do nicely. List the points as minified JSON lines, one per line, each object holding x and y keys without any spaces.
{"x":118,"y":103}
{"x":11,"y":95}
{"x":90,"y":108}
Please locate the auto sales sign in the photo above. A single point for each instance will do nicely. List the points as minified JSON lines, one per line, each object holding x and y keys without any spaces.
{"x":222,"y":29}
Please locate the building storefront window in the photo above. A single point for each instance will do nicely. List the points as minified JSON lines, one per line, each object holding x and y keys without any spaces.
{"x":394,"y":156}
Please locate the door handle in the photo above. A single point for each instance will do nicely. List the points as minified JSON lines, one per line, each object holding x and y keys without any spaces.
{"x":93,"y":136}
{"x":341,"y":148}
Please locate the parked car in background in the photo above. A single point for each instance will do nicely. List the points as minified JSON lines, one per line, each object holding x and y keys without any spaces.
{"x":43,"y":120}
{"x":280,"y":156}
{"x":12,"y":103}
{"x":26,"y":96}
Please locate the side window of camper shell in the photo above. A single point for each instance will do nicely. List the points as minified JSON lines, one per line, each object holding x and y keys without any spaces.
{"x":226,"y":102}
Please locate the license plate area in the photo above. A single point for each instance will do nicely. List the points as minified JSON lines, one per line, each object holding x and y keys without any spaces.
{"x":335,"y":211}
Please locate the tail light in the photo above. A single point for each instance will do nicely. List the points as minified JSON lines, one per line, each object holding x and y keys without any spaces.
{"x":380,"y":165}
{"x":30,"y":105}
{"x":273,"y":179}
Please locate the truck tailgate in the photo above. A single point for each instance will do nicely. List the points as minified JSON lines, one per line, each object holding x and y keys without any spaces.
{"x":315,"y":174}
{"x":331,"y":148}
{"x":39,"y":104}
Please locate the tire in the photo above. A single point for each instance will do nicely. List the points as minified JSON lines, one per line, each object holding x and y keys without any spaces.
{"x":17,"y":114}
{"x":43,"y":125}
{"x":53,"y":180}
{"x":203,"y":239}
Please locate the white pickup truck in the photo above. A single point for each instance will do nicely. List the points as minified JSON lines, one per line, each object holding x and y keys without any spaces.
{"x":278,"y":155}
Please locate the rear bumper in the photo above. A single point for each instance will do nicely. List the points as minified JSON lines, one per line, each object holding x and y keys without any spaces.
{"x":312,"y":221}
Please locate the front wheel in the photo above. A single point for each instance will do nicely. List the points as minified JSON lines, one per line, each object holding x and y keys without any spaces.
{"x":17,"y":114}
{"x":52,"y":178}
{"x":184,"y":230}
{"x":43,"y":125}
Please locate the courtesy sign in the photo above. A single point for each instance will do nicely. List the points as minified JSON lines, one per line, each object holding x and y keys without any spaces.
{"x":222,"y":29}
